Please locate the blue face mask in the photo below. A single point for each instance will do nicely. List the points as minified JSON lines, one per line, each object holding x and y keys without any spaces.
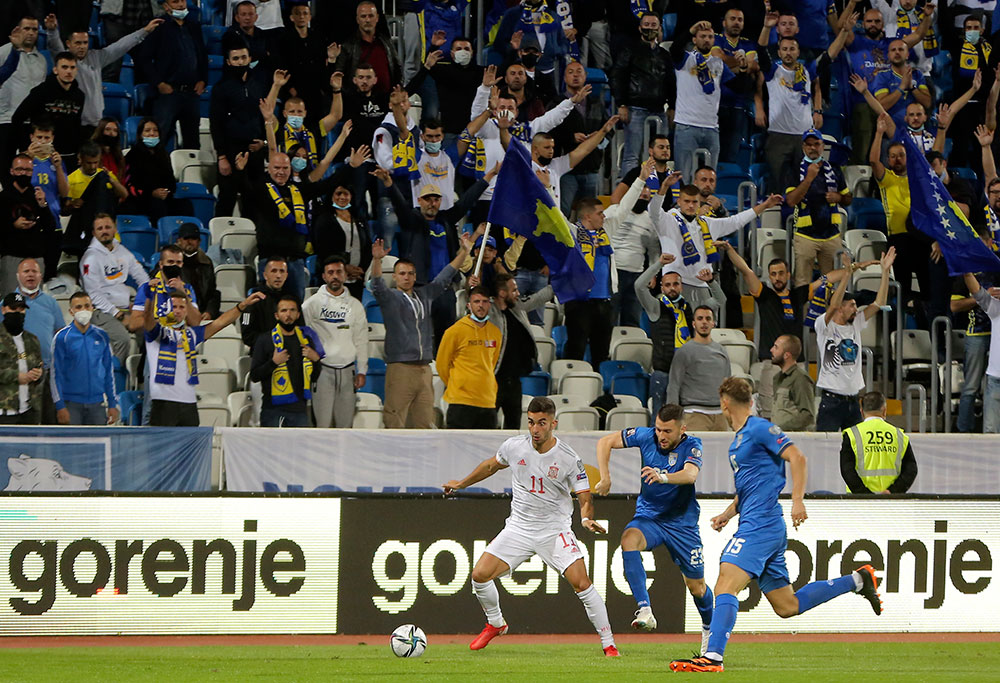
{"x":972,"y":36}
{"x":295,"y":122}
{"x":179,"y":13}
{"x":432,"y":147}
{"x":151,"y":142}
{"x":345,"y":207}
{"x":813,"y":161}
{"x":298,"y":164}
{"x":477,"y":318}
{"x":254,"y":63}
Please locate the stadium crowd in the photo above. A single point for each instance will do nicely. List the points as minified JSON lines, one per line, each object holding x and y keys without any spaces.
{"x":275,"y":212}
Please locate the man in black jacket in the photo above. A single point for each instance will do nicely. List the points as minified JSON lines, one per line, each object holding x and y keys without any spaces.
{"x":59,"y":101}
{"x":176,"y":64}
{"x":369,"y":46}
{"x":302,"y":52}
{"x":199,"y":271}
{"x":584,"y":119}
{"x":245,"y":32}
{"x":27,"y":227}
{"x":643,"y":81}
{"x":456,"y":82}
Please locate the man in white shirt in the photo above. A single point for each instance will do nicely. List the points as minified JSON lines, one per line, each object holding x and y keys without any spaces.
{"x":543,"y":146}
{"x":340,"y":323}
{"x":689,"y":237}
{"x":989,"y":301}
{"x":544,"y":473}
{"x":104,"y":268}
{"x":838,"y":336}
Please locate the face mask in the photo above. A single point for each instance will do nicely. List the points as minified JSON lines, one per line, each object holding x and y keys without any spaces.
{"x":238,"y":71}
{"x":432,"y":147}
{"x":298,"y":164}
{"x":108,"y":139}
{"x":179,"y":13}
{"x":21,"y":182}
{"x":286,"y":328}
{"x":477,"y":318}
{"x":650,"y":34}
{"x":463,"y":57}
{"x":915,"y":130}
{"x":972,"y":36}
{"x":640,"y":205}
{"x":151,"y":142}
{"x":345,"y":207}
{"x":544,"y":161}
{"x":29,"y":292}
{"x":529,"y":60}
{"x":83,"y":317}
{"x":813,"y":161}
{"x":191,"y":255}
{"x":14,"y":322}
{"x":295,"y":122}
{"x":254,"y":63}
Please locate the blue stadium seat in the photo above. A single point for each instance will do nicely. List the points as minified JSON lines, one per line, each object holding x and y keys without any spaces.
{"x":117,"y":101}
{"x":143,"y":95}
{"x":214,"y":65}
{"x":536,"y":384}
{"x":645,"y":324}
{"x":610,"y":368}
{"x":127,"y":76}
{"x":757,"y":141}
{"x":131,"y":128}
{"x":373,"y":312}
{"x":631,"y":383}
{"x":728,"y":183}
{"x":120,"y":374}
{"x":728,"y":167}
{"x":833,"y":124}
{"x":965,"y":173}
{"x":129,"y":222}
{"x":866,"y":213}
{"x":559,"y":337}
{"x":730,"y":201}
{"x":202,"y":201}
{"x":167,"y":228}
{"x":669,"y":26}
{"x":759,"y":173}
{"x":596,"y":76}
{"x":130,"y":404}
{"x":205,"y":103}
{"x":375,"y":379}
{"x":142,"y":243}
{"x":212,"y":35}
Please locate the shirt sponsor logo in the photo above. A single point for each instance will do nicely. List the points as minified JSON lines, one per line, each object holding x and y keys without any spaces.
{"x":523,"y":463}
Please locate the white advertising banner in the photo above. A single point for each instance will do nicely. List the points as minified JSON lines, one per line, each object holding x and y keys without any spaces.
{"x":385,"y":460}
{"x":131,"y":565}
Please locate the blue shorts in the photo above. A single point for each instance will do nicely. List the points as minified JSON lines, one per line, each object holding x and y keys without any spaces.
{"x":761,"y":554}
{"x":682,"y":542}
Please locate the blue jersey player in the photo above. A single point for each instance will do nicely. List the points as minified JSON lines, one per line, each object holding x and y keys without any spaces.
{"x":666,"y":513}
{"x":757,"y":550}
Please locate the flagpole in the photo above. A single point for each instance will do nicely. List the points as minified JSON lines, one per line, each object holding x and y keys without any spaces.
{"x":482,"y":250}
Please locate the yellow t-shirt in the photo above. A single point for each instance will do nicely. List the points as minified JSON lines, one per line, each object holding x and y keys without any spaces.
{"x":78,"y":182}
{"x":895,"y":190}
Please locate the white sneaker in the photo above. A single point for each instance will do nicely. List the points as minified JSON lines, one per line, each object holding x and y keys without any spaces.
{"x":704,"y":640}
{"x":644,"y":620}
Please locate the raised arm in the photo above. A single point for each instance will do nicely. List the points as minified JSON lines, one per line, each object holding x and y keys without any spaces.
{"x":991,"y":101}
{"x":883,"y":285}
{"x":229,"y":317}
{"x":985,"y":137}
{"x":650,"y":303}
{"x":838,"y":293}
{"x":739,"y":263}
{"x":591,"y":143}
{"x":925,"y":23}
{"x":875,"y":153}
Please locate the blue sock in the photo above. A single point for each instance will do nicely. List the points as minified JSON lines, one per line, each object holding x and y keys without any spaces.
{"x":704,"y":605}
{"x":635,"y":574}
{"x":723,"y":620}
{"x":818,"y":592}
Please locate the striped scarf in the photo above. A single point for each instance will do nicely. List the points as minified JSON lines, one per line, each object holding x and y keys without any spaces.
{"x":282,"y":391}
{"x":800,"y":83}
{"x":291,"y":137}
{"x":474,"y":162}
{"x":161,"y":303}
{"x":905,"y":25}
{"x":994,"y":225}
{"x":294,"y":217}
{"x":818,"y":303}
{"x":830,"y":180}
{"x":593,"y":245}
{"x":538,"y":21}
{"x":703,"y":73}
{"x":688,"y":249}
{"x":968,"y":60}
{"x":682,"y":330}
{"x":641,"y":7}
{"x":166,"y":359}
{"x":653,"y":183}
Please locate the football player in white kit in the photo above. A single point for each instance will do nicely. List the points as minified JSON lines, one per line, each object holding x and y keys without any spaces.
{"x":545,"y":473}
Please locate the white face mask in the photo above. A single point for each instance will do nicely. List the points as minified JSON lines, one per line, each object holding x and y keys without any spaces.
{"x":29,"y":292}
{"x":83,"y":317}
{"x":463,"y":57}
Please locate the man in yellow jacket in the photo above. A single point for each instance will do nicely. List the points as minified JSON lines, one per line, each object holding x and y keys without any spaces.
{"x":466,"y":359}
{"x":875,"y":456}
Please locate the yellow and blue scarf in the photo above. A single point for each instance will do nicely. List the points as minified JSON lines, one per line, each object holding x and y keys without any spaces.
{"x":161,"y":303}
{"x":800,"y":84}
{"x":703,"y":73}
{"x":994,"y":225}
{"x":166,"y":359}
{"x":282,"y":391}
{"x":827,"y":211}
{"x":538,"y":22}
{"x":968,"y":60}
{"x":592,"y":245}
{"x":682,"y":330}
{"x":302,"y":137}
{"x":787,"y":311}
{"x":474,"y":162}
{"x":688,"y":251}
{"x":818,"y":303}
{"x":904,"y":27}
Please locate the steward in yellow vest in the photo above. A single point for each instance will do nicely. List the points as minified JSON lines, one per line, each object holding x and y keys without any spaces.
{"x":875,"y":456}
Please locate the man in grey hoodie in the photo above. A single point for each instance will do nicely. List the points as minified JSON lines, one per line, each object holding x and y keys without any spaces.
{"x":409,"y":342}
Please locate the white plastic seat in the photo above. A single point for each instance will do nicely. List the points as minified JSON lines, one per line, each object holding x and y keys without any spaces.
{"x":562,"y":366}
{"x":236,"y":401}
{"x":217,"y":382}
{"x":546,"y":352}
{"x":629,"y":401}
{"x":577,"y":419}
{"x":771,"y":244}
{"x":857,"y":177}
{"x":587,"y":385}
{"x":244,"y":240}
{"x":726,"y":334}
{"x":623,"y":418}
{"x":865,"y":245}
{"x":367,"y":401}
{"x":625,"y":332}
{"x":220,"y":225}
{"x":213,"y":415}
{"x":568,"y":401}
{"x":630,"y":348}
{"x":368,"y":419}
{"x":741,"y":354}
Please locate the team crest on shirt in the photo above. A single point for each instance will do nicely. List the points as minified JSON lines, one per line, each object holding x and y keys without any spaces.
{"x":672,"y":459}
{"x":774,"y":429}
{"x":553,"y":471}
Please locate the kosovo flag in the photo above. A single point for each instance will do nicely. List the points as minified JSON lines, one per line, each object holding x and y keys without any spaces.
{"x":936,"y":214}
{"x":523,"y":206}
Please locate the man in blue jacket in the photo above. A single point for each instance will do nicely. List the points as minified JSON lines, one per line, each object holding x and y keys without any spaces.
{"x":82,"y":375}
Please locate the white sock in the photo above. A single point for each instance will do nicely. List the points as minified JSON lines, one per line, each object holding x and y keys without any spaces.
{"x":858,"y":583}
{"x":489,"y":598}
{"x":597,"y":612}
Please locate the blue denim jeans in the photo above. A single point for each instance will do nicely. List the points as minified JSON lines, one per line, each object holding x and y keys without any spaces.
{"x":658,"y":383}
{"x":976,"y":349}
{"x":689,"y":138}
{"x":576,"y":186}
{"x":837,"y":413}
{"x":991,"y":405}
{"x":86,"y":413}
{"x":634,"y":133}
{"x":529,"y":282}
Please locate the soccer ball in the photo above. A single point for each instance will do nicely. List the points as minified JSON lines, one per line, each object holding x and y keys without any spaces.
{"x":408,"y":641}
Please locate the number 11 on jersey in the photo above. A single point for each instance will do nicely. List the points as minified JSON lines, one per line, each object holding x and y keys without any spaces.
{"x":540,"y":484}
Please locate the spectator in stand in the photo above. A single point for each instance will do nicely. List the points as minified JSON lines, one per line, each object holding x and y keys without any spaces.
{"x":32,"y":68}
{"x":539,"y":87}
{"x":395,"y":146}
{"x":734,"y":107}
{"x":301,"y":51}
{"x":104,"y":268}
{"x":491,"y":265}
{"x":92,"y":191}
{"x":91,"y":63}
{"x":286,"y":363}
{"x":794,"y":406}
{"x":409,"y":395}
{"x":339,"y":321}
{"x":361,"y":105}
{"x":901,"y":84}
{"x":670,"y":321}
{"x":82,"y":374}
{"x":666,"y":176}
{"x":48,"y":170}
{"x":978,"y":331}
{"x":27,"y":228}
{"x":59,"y":101}
{"x":838,"y":338}
{"x":107,"y":135}
{"x":122,"y":18}
{"x":430,"y":26}
{"x":466,"y":361}
{"x":257,"y":320}
{"x":901,"y":18}
{"x":534,"y":21}
{"x":697,"y":369}
{"x":294,"y":130}
{"x":976,"y":55}
{"x":372,"y":47}
{"x":989,"y":301}
{"x":643,"y":81}
{"x":590,"y":321}
{"x":530,"y":103}
{"x":456,"y":82}
{"x":585,"y":119}
{"x":433,"y":165}
{"x":518,"y":350}
{"x":21,"y":370}
{"x":818,"y":197}
{"x":176,"y":64}
{"x":244,"y":31}
{"x":170,"y":274}
{"x":170,"y":347}
{"x":199,"y":271}
{"x":150,"y":177}
{"x":777,"y":26}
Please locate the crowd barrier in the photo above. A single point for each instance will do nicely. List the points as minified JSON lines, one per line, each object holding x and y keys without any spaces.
{"x":101,"y":564}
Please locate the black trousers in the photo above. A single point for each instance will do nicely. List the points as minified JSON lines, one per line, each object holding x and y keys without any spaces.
{"x":470,"y":417}
{"x":589,"y":321}
{"x":28,"y":417}
{"x":173,"y":414}
{"x":837,"y":412}
{"x":912,"y":258}
{"x":509,"y":401}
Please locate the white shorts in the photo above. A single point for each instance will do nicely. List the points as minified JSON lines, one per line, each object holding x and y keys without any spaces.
{"x":558,"y":550}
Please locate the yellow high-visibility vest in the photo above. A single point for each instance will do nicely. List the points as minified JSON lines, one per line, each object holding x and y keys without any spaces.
{"x":880,"y":455}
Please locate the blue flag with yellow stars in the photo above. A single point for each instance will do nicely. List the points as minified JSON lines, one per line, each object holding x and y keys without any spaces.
{"x":936,"y":214}
{"x":523,"y":206}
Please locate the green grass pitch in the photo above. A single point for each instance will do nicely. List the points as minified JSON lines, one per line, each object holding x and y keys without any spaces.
{"x":799,"y":662}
